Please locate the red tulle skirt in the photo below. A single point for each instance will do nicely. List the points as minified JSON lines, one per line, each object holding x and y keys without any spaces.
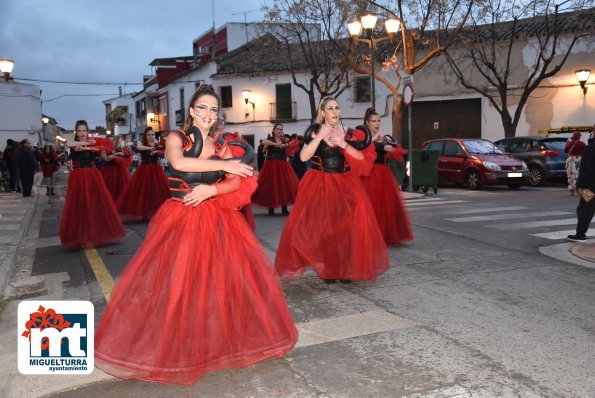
{"x":389,"y":205}
{"x":116,"y":178}
{"x":277,"y":185}
{"x":147,"y":190}
{"x":200,"y":294}
{"x":249,"y":216}
{"x":90,"y":217}
{"x":333,"y":229}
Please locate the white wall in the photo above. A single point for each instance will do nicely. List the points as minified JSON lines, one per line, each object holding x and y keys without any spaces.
{"x":20,"y":112}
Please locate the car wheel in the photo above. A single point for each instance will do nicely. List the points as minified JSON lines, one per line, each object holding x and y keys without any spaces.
{"x":536,"y":176}
{"x":514,"y":186}
{"x":472,"y":180}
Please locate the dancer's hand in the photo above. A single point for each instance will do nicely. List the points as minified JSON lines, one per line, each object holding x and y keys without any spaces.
{"x":389,"y":148}
{"x":337,"y":140}
{"x":237,"y":168}
{"x":199,"y":194}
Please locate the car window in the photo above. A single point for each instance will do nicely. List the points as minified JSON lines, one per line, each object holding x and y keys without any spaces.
{"x":436,"y":146}
{"x":480,"y":147}
{"x":503,"y":145}
{"x":557,"y":145}
{"x":519,"y":146}
{"x":451,"y":148}
{"x":535,"y":146}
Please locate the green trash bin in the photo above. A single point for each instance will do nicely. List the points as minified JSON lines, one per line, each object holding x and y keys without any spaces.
{"x":399,"y":170}
{"x":425,"y":170}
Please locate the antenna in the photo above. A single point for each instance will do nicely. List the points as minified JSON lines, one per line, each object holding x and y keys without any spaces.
{"x":245,"y":22}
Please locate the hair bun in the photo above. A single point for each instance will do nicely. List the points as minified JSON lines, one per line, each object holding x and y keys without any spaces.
{"x":370,"y":110}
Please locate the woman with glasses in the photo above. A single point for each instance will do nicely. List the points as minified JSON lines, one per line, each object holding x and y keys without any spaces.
{"x":383,"y":190}
{"x":148,"y":187}
{"x":277,"y":182}
{"x":90,"y":217}
{"x":200,"y":294}
{"x":332,"y":227}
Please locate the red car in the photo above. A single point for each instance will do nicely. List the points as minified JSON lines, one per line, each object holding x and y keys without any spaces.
{"x":476,"y":162}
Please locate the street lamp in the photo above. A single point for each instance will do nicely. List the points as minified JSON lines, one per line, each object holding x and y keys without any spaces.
{"x":367,"y":24}
{"x":6,"y":66}
{"x":45,"y":120}
{"x":582,"y":75}
{"x":246,"y":95}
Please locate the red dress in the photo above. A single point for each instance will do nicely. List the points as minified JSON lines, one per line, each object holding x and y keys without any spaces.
{"x":89,"y":217}
{"x":200,"y":294}
{"x":48,"y":163}
{"x":277,"y":182}
{"x":387,"y":201}
{"x":332,"y":226}
{"x":147,"y":190}
{"x":116,"y":177}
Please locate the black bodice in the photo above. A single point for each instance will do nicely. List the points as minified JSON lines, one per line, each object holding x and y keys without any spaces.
{"x":274,"y":153}
{"x":83,"y":159}
{"x":147,"y":158}
{"x":380,"y":152}
{"x":329,"y":159}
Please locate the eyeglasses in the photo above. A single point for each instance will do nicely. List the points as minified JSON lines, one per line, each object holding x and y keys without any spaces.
{"x":205,"y":109}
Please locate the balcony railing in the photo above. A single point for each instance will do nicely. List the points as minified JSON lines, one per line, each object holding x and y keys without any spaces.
{"x":282,"y":111}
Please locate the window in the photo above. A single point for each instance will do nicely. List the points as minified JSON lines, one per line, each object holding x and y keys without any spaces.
{"x":452,"y":148}
{"x":283,"y":105}
{"x":182,"y":107}
{"x":520,"y":146}
{"x":435,"y":146}
{"x":362,"y":89}
{"x":226,"y":97}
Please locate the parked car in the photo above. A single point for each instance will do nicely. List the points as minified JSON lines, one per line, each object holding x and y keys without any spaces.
{"x":544,"y":156}
{"x":475,"y":162}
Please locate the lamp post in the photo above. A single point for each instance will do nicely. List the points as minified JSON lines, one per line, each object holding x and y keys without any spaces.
{"x":246,"y":95}
{"x":6,"y":66}
{"x":367,"y":24}
{"x":582,"y":75}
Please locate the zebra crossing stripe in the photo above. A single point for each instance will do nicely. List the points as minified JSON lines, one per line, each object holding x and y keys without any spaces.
{"x":487,"y":210}
{"x":508,"y":216}
{"x":535,"y":224}
{"x":560,"y":234}
{"x":421,"y":204}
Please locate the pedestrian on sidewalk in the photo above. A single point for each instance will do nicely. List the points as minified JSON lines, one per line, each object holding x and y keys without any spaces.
{"x":49,"y":166}
{"x":574,"y":148}
{"x":200,"y":268}
{"x":586,"y":186}
{"x":27,"y":166}
{"x":332,"y":227}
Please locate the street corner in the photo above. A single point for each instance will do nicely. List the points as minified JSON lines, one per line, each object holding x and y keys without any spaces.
{"x":584,"y":250}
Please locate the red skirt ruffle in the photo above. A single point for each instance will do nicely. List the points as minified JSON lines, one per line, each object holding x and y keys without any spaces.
{"x":277,"y":185}
{"x":332,"y":228}
{"x":116,"y":178}
{"x":249,"y":216}
{"x":389,"y":206}
{"x":147,"y":190}
{"x":90,"y":217}
{"x":200,"y":294}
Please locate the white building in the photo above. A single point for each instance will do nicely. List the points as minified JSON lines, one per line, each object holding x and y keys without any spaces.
{"x":20,"y":112}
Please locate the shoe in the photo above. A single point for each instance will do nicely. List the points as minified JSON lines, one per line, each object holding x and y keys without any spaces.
{"x":52,"y":192}
{"x":271,"y":212}
{"x":47,"y":193}
{"x":329,"y":281}
{"x":577,"y":238}
{"x":345,"y":281}
{"x":284,"y":211}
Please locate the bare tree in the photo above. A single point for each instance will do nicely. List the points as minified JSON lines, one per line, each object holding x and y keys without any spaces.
{"x":488,"y":59}
{"x":436,"y":24}
{"x":314,"y":51}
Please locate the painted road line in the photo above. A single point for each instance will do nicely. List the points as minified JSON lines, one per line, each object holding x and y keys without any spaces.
{"x":489,"y":210}
{"x":421,"y":203}
{"x":348,"y":326}
{"x":509,"y":216}
{"x":560,"y":234}
{"x":104,"y":278}
{"x":534,"y":224}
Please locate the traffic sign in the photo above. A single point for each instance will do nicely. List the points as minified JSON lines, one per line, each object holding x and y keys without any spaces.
{"x":408,"y":94}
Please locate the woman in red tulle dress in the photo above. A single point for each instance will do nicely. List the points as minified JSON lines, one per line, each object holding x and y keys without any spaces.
{"x":115,"y":173}
{"x":332,"y":227}
{"x":200,"y":294}
{"x":148,"y":188}
{"x":277,"y":182}
{"x":383,"y":190}
{"x":89,"y":217}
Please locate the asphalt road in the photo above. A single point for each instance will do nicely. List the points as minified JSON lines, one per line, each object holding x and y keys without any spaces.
{"x":470,"y":308}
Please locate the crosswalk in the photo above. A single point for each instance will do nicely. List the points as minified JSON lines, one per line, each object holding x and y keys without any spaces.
{"x":540,"y":224}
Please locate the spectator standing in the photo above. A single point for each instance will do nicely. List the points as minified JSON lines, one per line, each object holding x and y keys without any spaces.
{"x":585,"y":183}
{"x":27,"y":166}
{"x":574,"y":148}
{"x":49,"y":166}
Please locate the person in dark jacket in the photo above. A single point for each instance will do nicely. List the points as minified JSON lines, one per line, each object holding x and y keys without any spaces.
{"x":586,"y":180}
{"x":27,"y":166}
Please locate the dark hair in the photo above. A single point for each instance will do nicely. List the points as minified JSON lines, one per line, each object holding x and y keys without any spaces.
{"x":202,"y":90}
{"x":23,"y":141}
{"x":144,"y":139}
{"x":76,"y":126}
{"x":275,"y":126}
{"x":369,"y":113}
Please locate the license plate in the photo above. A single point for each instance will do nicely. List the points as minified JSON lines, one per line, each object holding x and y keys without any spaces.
{"x":512,"y":175}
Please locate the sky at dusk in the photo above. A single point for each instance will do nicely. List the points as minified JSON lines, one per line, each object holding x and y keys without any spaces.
{"x":108,"y":41}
